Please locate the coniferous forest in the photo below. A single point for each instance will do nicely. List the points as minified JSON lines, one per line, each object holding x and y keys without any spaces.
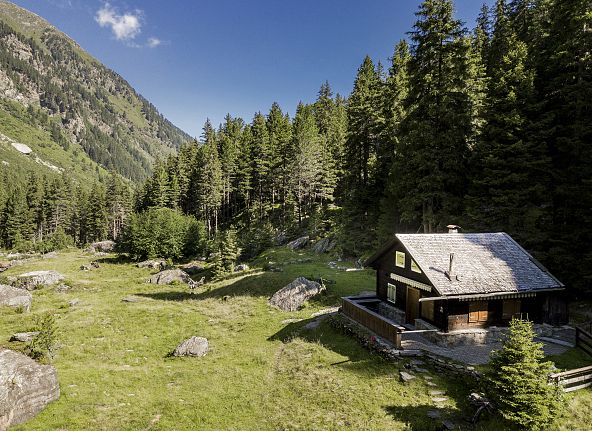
{"x":489,"y":128}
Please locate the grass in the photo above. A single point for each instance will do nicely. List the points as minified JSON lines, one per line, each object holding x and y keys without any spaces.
{"x":262,"y":372}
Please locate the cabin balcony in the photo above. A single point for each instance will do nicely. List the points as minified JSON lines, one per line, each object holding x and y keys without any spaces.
{"x":365,"y":310}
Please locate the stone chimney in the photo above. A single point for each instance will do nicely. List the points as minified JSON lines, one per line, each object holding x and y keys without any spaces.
{"x":450,"y":273}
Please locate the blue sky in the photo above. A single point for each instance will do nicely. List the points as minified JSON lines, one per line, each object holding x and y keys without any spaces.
{"x":195,"y":59}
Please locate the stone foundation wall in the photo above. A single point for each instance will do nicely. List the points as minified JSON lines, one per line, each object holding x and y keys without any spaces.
{"x":391,"y":312}
{"x":493,"y":334}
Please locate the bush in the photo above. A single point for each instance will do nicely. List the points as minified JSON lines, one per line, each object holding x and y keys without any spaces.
{"x":164,"y":233}
{"x":43,"y":346}
{"x":518,"y":380}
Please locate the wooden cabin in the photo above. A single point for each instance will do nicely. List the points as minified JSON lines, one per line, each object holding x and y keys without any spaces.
{"x":459,"y":281}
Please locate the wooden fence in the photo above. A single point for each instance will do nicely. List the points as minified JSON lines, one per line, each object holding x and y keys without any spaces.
{"x":584,"y":339}
{"x":572,"y":380}
{"x":381,"y":326}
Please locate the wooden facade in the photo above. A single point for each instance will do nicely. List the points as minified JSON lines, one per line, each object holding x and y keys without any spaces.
{"x":401,"y":283}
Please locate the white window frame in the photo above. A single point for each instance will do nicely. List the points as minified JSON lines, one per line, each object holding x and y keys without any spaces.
{"x":415,"y":267}
{"x":391,"y":293}
{"x":400,"y":255}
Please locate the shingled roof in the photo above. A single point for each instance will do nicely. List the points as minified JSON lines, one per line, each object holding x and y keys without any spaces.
{"x":483,"y":263}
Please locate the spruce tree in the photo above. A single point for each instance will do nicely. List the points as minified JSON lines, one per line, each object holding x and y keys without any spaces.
{"x":518,"y":380}
{"x":365,"y":119}
{"x":431,"y":159}
{"x":508,"y":191}
{"x":15,"y":220}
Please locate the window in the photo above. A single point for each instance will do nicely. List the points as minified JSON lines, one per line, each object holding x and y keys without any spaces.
{"x":478,"y":311}
{"x":414,"y":267}
{"x":400,"y":259}
{"x":391,"y":292}
{"x":511,"y":308}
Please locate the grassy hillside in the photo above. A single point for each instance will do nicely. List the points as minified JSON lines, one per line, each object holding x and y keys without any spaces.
{"x":88,"y":104}
{"x":15,"y":127}
{"x":264,"y":371}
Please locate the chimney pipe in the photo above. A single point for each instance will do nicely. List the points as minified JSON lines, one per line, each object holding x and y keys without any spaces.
{"x":450,"y":273}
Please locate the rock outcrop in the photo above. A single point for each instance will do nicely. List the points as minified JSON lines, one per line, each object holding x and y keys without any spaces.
{"x":194,"y":346}
{"x":152,"y":264}
{"x":169,"y":276}
{"x":26,"y":388}
{"x":298,"y":243}
{"x":324,"y":245}
{"x":102,"y":247}
{"x":13,"y":297}
{"x":4,"y":266}
{"x":24,"y":337}
{"x":31,"y":280}
{"x":292,"y":296}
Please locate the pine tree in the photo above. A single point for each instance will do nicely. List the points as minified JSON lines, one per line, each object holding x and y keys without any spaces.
{"x":395,"y":95}
{"x":15,"y":220}
{"x":564,"y":85}
{"x":261,"y":161}
{"x":228,"y":252}
{"x":517,"y":380}
{"x":306,"y":170}
{"x":96,"y":217}
{"x":280,"y":137}
{"x":508,"y":192}
{"x":431,"y":160}
{"x":364,"y":124}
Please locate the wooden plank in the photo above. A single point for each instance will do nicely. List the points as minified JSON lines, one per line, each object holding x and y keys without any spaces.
{"x":571,"y":380}
{"x":575,"y":388}
{"x":574,"y":371}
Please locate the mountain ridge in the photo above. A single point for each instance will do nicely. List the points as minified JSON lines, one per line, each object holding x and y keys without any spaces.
{"x":92,"y":109}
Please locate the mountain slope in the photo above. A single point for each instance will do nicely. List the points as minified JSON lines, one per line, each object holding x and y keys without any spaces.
{"x":80,"y":103}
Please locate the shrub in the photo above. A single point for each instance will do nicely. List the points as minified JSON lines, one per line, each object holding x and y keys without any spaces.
{"x":162,"y":232}
{"x":43,"y":346}
{"x":518,"y":380}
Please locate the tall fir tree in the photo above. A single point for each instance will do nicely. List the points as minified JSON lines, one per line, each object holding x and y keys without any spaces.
{"x":431,"y":160}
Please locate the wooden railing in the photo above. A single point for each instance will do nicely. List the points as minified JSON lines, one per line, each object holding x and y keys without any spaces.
{"x":572,"y":380}
{"x":381,"y":326}
{"x":584,"y":339}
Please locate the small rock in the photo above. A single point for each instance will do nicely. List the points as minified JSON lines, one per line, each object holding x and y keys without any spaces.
{"x":242,"y":267}
{"x":15,"y":297}
{"x":428,"y":377}
{"x":448,"y":424}
{"x":131,"y":299}
{"x":325,"y":311}
{"x":152,"y":264}
{"x":437,"y":392}
{"x":421,"y":370}
{"x":26,"y":388}
{"x":434,"y":414}
{"x":194,"y":346}
{"x":62,"y":288}
{"x":4,"y":265}
{"x":102,"y":247}
{"x":169,"y":276}
{"x":24,"y":337}
{"x":431,"y":384}
{"x":439,"y":399}
{"x":285,"y":322}
{"x":292,"y":296}
{"x":298,"y":243}
{"x":405,"y":376}
{"x":324,"y":245}
{"x":31,"y":280}
{"x":417,"y":362}
{"x":74,"y":302}
{"x":85,"y":267}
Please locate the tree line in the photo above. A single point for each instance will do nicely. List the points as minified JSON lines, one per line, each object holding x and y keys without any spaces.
{"x":487,"y":128}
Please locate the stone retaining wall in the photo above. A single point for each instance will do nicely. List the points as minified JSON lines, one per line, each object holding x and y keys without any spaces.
{"x":391,"y":312}
{"x":493,"y":334}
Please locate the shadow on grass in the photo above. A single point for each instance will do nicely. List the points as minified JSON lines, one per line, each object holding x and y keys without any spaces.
{"x":359,"y":360}
{"x":427,"y":417}
{"x":257,"y":285}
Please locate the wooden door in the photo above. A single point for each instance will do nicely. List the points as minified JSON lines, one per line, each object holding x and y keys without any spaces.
{"x":412,"y":305}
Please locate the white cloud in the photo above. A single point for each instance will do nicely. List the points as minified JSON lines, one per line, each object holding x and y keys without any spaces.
{"x":124,"y":27}
{"x":153,"y":42}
